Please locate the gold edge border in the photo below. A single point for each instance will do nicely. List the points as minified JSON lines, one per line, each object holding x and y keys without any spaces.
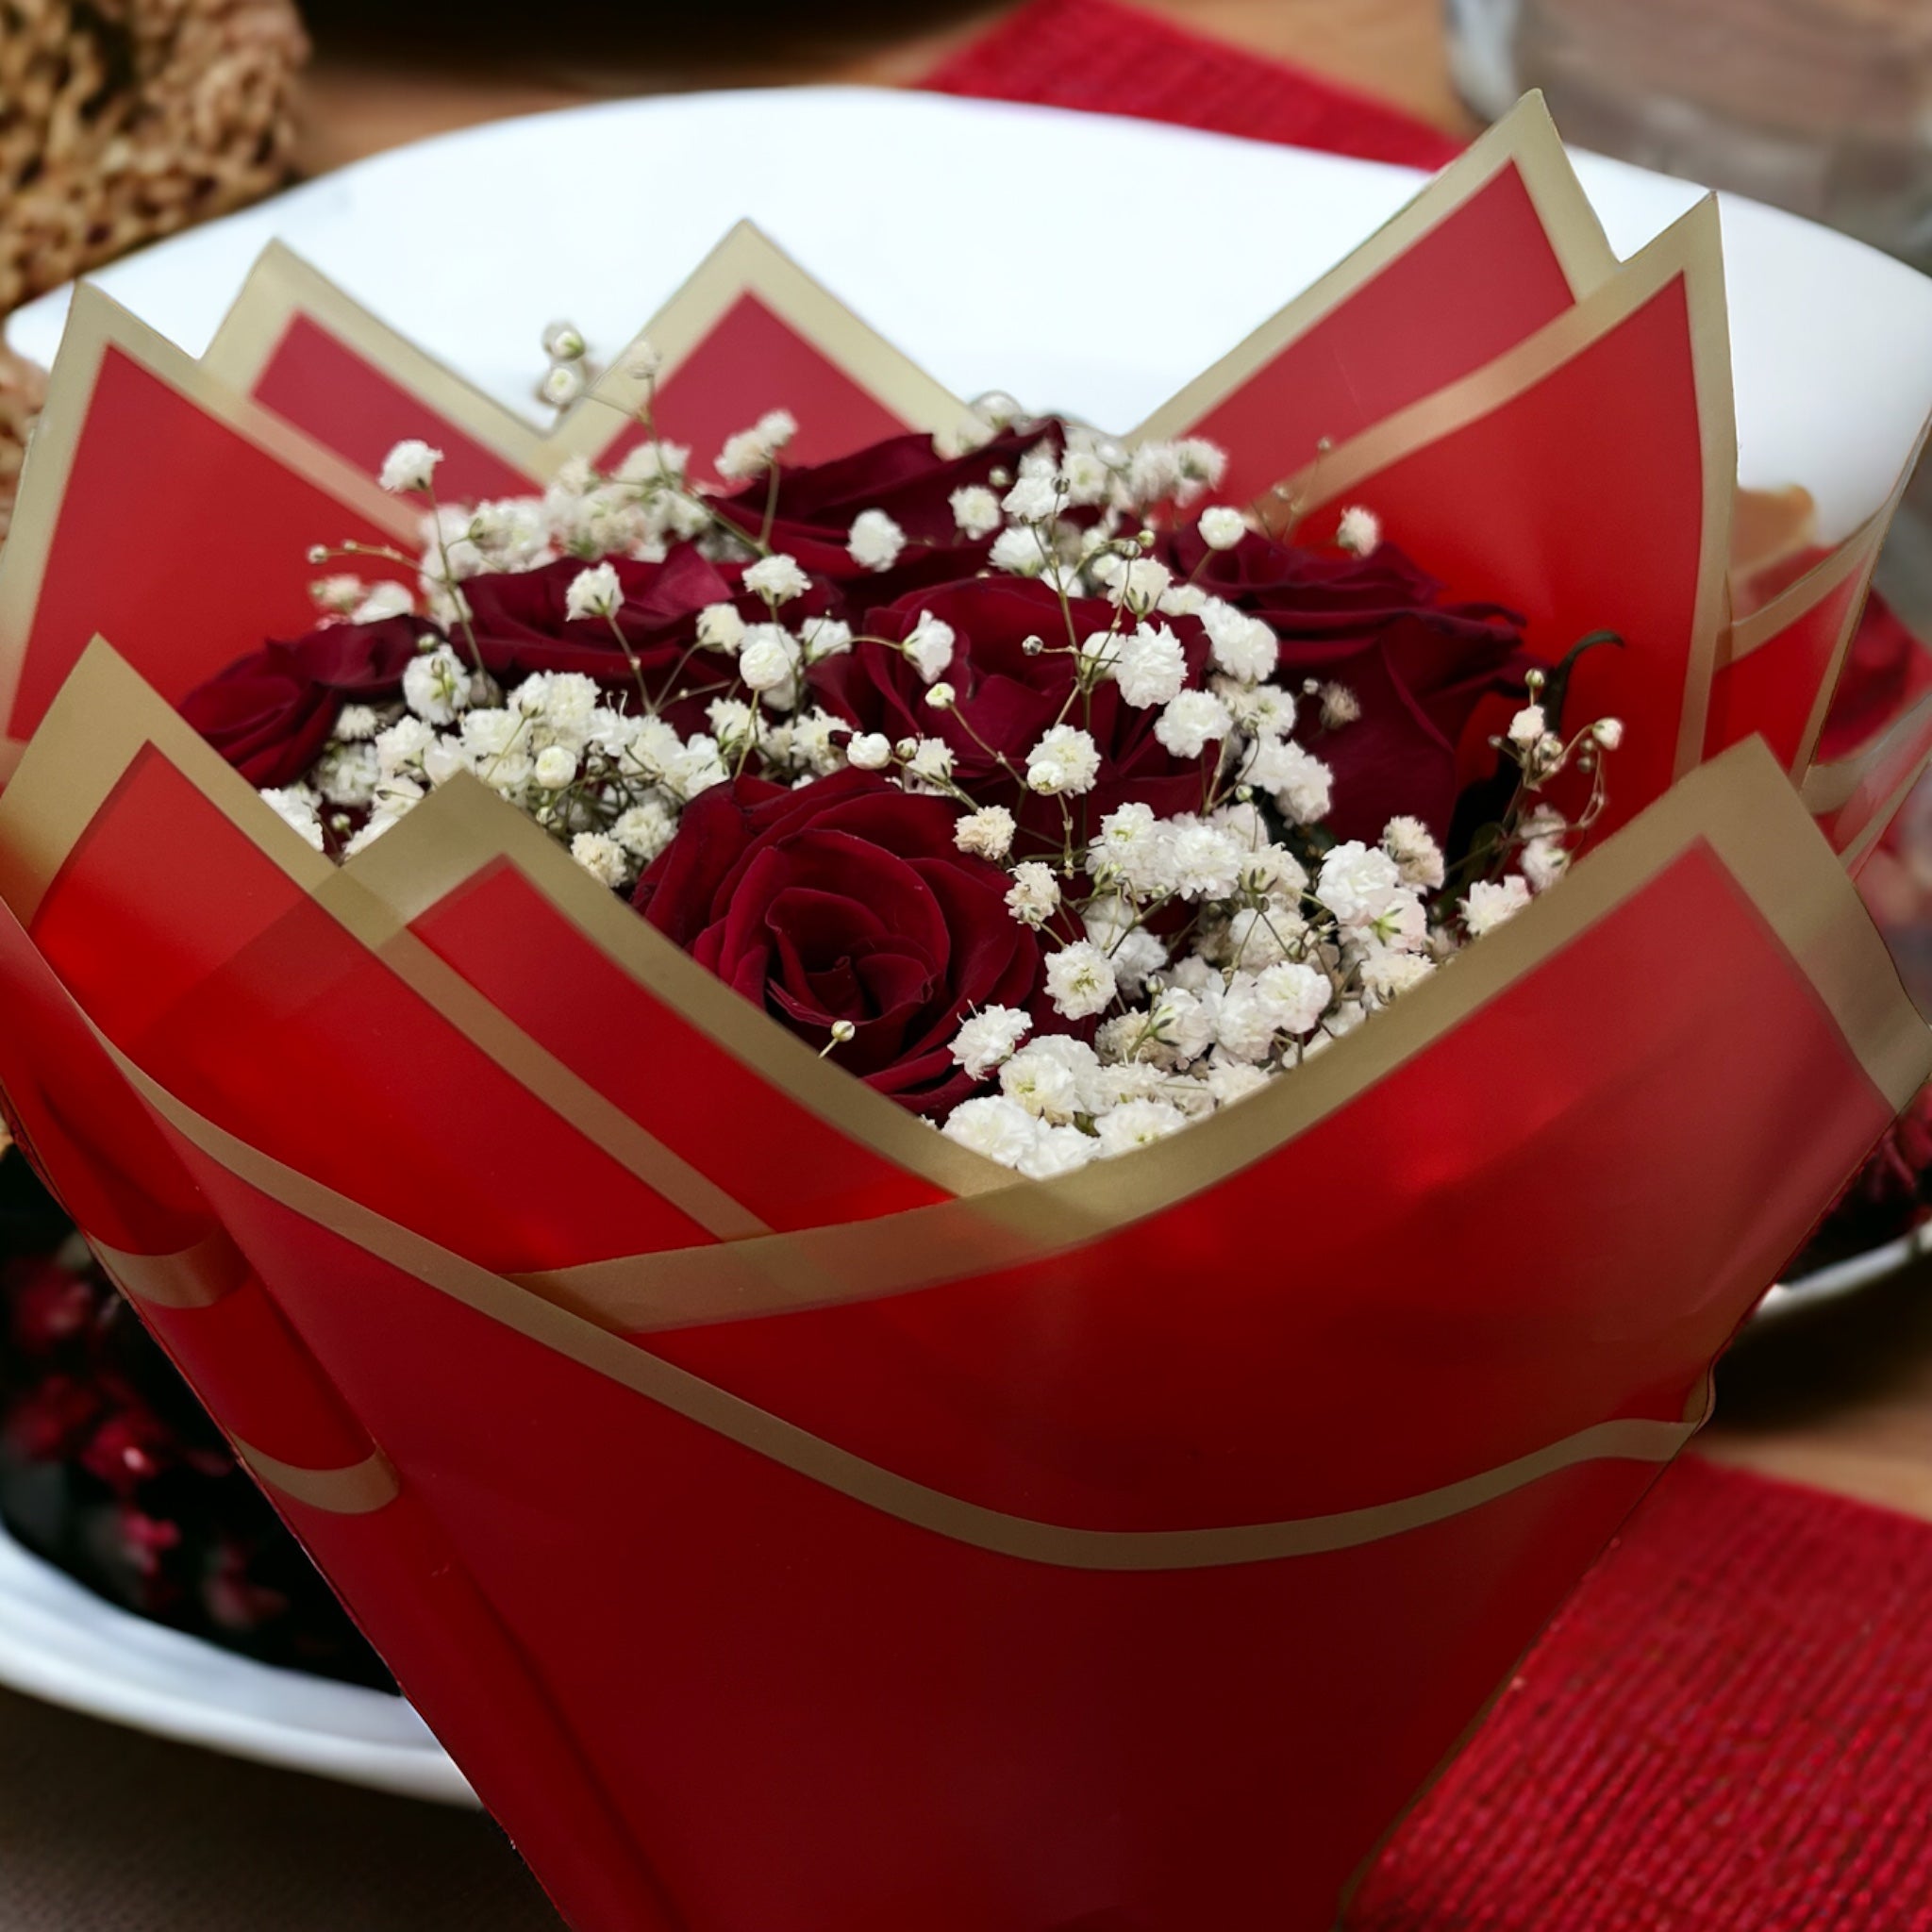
{"x":1740,"y":804}
{"x":96,"y":325}
{"x":1526,"y":139}
{"x":748,"y":261}
{"x":106,"y":716}
{"x":1690,"y":249}
{"x":283,"y":285}
{"x":1828,"y":789}
{"x":707,"y":1404}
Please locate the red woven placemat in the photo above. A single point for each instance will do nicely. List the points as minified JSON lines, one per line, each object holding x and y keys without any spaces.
{"x":1728,"y":1729}
{"x":1115,"y":59}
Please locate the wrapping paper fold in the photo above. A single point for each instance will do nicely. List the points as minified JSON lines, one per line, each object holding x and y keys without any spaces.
{"x":792,"y":1522}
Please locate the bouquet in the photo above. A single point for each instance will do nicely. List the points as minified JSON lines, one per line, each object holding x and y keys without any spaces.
{"x":951,"y":1164}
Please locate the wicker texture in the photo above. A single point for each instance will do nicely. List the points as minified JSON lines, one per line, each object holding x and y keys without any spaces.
{"x":122,"y":121}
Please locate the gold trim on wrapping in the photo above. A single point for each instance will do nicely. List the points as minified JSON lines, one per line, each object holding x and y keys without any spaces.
{"x":1740,"y":805}
{"x":1526,"y":138}
{"x":96,"y":324}
{"x":360,"y":1490}
{"x":106,"y":716}
{"x":1026,"y":1539}
{"x":749,"y":262}
{"x":1691,"y":248}
{"x":1829,"y":789}
{"x":196,"y":1278}
{"x":1857,"y":554}
{"x":282,"y":286}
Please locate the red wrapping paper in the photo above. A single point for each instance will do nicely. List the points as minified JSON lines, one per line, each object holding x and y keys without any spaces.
{"x":792,"y":1522}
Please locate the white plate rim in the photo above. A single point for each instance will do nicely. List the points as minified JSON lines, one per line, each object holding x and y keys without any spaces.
{"x":60,"y":1642}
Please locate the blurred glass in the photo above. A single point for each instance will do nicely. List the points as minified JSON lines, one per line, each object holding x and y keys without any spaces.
{"x":1823,"y":106}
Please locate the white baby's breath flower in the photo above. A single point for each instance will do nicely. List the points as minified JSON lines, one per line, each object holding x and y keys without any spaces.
{"x":595,"y":593}
{"x":1243,"y":646}
{"x":1033,"y":499}
{"x":1137,"y":955}
{"x":1191,"y":722}
{"x":942,"y":696}
{"x":719,"y":627}
{"x":1339,"y":706}
{"x":1138,"y":1124}
{"x":347,"y":775}
{"x":1388,"y":975}
{"x":601,"y":856}
{"x":975,"y":511}
{"x":356,"y":722}
{"x":644,"y":830}
{"x":1234,"y":1081}
{"x":1205,"y":862}
{"x":1544,"y":862}
{"x":1417,"y":856}
{"x":988,"y":1038}
{"x":1138,"y":584}
{"x":385,"y":600}
{"x":1034,"y":896}
{"x":295,"y":807}
{"x":1042,"y":1083}
{"x":928,"y":646}
{"x":876,"y":540}
{"x":562,"y":384}
{"x":996,"y":1127}
{"x":987,"y":832}
{"x":1608,"y":732}
{"x":825,"y":636}
{"x":1490,"y":903}
{"x":1295,"y":994}
{"x":436,"y":686}
{"x":930,"y":759}
{"x":1527,"y":726}
{"x":1222,"y":527}
{"x":869,"y":751}
{"x":1079,"y":980}
{"x":768,"y":657}
{"x":1057,"y":1151}
{"x":564,"y":341}
{"x":1064,"y":764}
{"x":641,"y":360}
{"x":776,"y":578}
{"x":1150,"y":667}
{"x":1360,"y":531}
{"x":1300,"y":784}
{"x":1132,"y":844}
{"x":340,"y":594}
{"x":556,"y":767}
{"x":411,"y":466}
{"x":653,"y":461}
{"x":1356,"y":883}
{"x":1018,"y":549}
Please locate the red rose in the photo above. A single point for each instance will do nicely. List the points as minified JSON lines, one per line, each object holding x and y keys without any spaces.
{"x":906,"y":478}
{"x":521,"y":623}
{"x":846,"y":899}
{"x":1008,"y":698}
{"x":1419,"y":666}
{"x":270,"y":715}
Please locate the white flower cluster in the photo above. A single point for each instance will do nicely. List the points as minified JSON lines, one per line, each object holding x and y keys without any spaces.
{"x":1191,"y":957}
{"x":1264,"y":966}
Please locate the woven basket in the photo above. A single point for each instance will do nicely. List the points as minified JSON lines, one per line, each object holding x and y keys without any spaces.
{"x":122,"y":121}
